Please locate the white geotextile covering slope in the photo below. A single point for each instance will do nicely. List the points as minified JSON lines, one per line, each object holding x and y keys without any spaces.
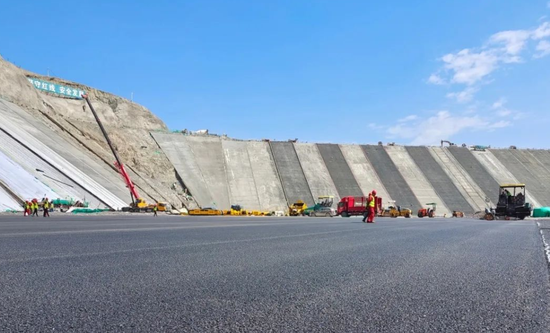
{"x":13,"y":129}
{"x":7,"y":202}
{"x":21,"y":182}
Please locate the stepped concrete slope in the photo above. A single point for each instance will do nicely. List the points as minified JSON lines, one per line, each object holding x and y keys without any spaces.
{"x":523,"y":174}
{"x":392,"y":179}
{"x":63,"y":156}
{"x":290,"y":171}
{"x":209,"y":155}
{"x":477,"y":172}
{"x":439,"y":179}
{"x":317,"y":176}
{"x":463,"y":182}
{"x":182,"y":158}
{"x":268,"y":185}
{"x":64,"y":187}
{"x":501,"y":174}
{"x":339,"y":170}
{"x":418,"y":183}
{"x":364,"y":172}
{"x":240,"y":178}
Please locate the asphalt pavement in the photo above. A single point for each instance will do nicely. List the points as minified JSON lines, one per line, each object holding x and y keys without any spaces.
{"x":135,"y":273}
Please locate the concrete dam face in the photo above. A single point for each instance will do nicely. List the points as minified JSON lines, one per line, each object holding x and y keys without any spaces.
{"x":51,"y":146}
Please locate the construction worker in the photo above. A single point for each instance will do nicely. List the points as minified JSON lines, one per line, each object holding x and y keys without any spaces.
{"x":34,"y":206}
{"x":366,"y":214}
{"x":46,"y":206}
{"x":371,"y":202}
{"x":27,"y":207}
{"x":155,"y":209}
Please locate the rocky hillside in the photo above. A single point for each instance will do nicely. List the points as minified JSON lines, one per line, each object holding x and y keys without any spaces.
{"x":127,"y":123}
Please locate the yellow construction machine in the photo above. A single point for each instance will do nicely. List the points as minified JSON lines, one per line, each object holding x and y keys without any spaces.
{"x":395,"y":211}
{"x":237,"y":210}
{"x":205,"y":211}
{"x":162,"y":206}
{"x":297,"y":208}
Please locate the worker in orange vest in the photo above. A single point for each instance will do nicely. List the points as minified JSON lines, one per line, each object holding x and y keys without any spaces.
{"x":371,"y":203}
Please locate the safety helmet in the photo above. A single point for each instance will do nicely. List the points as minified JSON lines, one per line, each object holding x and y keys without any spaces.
{"x":373,"y":192}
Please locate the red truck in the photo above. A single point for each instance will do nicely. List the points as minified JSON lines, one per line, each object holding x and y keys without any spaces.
{"x":350,"y":206}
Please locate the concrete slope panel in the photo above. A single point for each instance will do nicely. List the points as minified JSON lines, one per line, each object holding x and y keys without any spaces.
{"x":64,"y":187}
{"x":91,"y":173}
{"x":500,"y":173}
{"x":182,"y":158}
{"x":18,"y":180}
{"x":439,"y":179}
{"x":209,"y":155}
{"x":523,"y":174}
{"x":418,"y":183}
{"x":240,"y":178}
{"x":392,"y":179}
{"x":528,"y":158}
{"x":364,"y":172}
{"x":339,"y":170}
{"x":466,"y":185}
{"x":317,"y":176}
{"x":543,"y":156}
{"x":268,"y":185}
{"x":7,"y":203}
{"x":477,"y":172}
{"x":290,"y":171}
{"x":538,"y":171}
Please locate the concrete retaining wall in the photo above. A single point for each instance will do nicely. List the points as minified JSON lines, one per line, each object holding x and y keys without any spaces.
{"x":240,"y":178}
{"x":290,"y":172}
{"x":460,"y":178}
{"x":339,"y":170}
{"x":363,"y":172}
{"x":318,"y":178}
{"x":418,"y":183}
{"x":501,"y":174}
{"x":392,"y":179}
{"x":268,"y":185}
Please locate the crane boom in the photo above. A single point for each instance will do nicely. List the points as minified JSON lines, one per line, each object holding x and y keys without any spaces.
{"x":133,"y":192}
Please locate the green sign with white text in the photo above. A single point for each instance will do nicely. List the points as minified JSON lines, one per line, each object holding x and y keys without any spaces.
{"x":56,"y":88}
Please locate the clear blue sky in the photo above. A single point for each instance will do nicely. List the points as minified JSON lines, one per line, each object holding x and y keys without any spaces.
{"x":324,"y":71}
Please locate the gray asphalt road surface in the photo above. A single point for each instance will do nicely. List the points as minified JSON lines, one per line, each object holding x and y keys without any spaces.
{"x":223,"y":274}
